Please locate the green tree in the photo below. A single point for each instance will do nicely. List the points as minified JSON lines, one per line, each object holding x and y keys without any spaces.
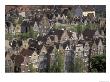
{"x":32,"y":33}
{"x":25,"y":36}
{"x":31,"y":68}
{"x":70,"y":14}
{"x":58,"y":65}
{"x":78,"y":65}
{"x":79,"y":28}
{"x":98,"y":63}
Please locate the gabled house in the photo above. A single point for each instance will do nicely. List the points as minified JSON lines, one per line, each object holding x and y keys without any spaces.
{"x":55,"y":38}
{"x":36,"y":28}
{"x":12,"y":29}
{"x":18,"y":60}
{"x":64,"y":37}
{"x":74,"y":36}
{"x":52,"y":55}
{"x":34,"y":60}
{"x":63,"y":19}
{"x":79,"y":50}
{"x":44,"y":24}
{"x":25,"y":65}
{"x":17,"y":28}
{"x":86,"y":56}
{"x":23,"y":14}
{"x":102,"y":34}
{"x":25,"y":44}
{"x":7,"y":46}
{"x":100,"y":47}
{"x":43,"y":59}
{"x":81,"y":37}
{"x":68,"y":55}
{"x":94,"y":49}
{"x":96,"y":34}
{"x":9,"y":64}
{"x":49,"y":41}
{"x":102,"y":22}
{"x":86,"y":49}
{"x":25,"y":26}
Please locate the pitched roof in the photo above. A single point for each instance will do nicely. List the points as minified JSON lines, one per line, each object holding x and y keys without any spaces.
{"x":19,"y":59}
{"x":88,"y":34}
{"x":13,"y":57}
{"x":27,"y":52}
{"x":49,"y":49}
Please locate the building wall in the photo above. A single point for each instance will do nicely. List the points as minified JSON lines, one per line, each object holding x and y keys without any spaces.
{"x":85,"y":13}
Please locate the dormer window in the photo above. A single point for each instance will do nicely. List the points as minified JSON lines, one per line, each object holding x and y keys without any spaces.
{"x":79,"y":50}
{"x":39,"y":43}
{"x":43,"y":53}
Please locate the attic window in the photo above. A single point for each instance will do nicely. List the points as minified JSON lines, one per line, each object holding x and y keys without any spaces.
{"x":79,"y":50}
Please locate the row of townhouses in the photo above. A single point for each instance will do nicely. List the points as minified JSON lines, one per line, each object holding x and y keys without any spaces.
{"x":40,"y":52}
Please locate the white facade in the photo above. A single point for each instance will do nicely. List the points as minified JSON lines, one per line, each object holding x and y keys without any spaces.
{"x":85,"y":13}
{"x":34,"y":60}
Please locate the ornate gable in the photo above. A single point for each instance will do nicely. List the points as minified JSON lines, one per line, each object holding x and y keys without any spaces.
{"x":64,"y":36}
